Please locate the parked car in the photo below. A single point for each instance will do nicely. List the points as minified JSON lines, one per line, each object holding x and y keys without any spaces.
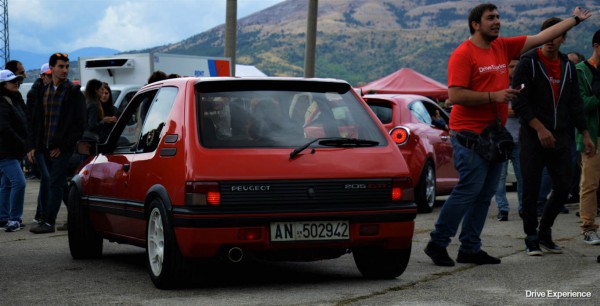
{"x":419,"y":126}
{"x":235,"y":168}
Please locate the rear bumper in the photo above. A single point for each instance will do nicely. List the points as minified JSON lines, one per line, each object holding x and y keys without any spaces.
{"x":203,"y":237}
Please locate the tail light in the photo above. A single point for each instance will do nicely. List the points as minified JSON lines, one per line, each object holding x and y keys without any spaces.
{"x":402,"y":189}
{"x":400,"y":135}
{"x":202,"y":194}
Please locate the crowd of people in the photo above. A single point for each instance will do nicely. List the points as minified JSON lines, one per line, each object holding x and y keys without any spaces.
{"x":554,"y":108}
{"x":42,"y":133}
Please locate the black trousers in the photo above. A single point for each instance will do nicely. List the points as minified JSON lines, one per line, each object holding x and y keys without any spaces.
{"x":533,"y":159}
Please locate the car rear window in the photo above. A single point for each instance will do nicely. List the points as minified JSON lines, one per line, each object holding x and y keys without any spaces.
{"x":269,"y":117}
{"x":383,"y":112}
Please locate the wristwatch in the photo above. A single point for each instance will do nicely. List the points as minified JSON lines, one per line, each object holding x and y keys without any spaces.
{"x":577,"y":19}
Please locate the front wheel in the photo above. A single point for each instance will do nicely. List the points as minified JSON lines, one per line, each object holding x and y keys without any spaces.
{"x":425,"y":190}
{"x":165,"y":262}
{"x":380,"y":263}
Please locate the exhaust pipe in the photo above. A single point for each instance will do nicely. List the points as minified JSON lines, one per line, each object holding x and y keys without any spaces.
{"x":235,"y":254}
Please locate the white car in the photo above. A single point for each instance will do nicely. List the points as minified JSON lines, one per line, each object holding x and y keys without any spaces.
{"x":122,"y":94}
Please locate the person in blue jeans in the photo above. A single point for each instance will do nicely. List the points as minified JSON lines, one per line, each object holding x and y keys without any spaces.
{"x":58,"y":123}
{"x":500,"y":196}
{"x":513,"y":126}
{"x":13,"y":142}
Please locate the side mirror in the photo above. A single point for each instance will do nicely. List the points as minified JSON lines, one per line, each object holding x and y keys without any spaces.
{"x":87,"y":147}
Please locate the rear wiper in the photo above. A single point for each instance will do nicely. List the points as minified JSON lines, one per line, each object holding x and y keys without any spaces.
{"x":348,"y":142}
{"x":335,"y":142}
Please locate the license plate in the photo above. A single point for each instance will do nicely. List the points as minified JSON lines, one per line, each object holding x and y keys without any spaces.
{"x":310,"y":230}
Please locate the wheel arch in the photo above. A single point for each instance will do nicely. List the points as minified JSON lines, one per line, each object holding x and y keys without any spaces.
{"x":75,"y":181}
{"x":157,"y":191}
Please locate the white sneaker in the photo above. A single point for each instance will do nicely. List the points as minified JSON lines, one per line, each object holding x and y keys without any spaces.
{"x":13,"y":226}
{"x":591,"y":237}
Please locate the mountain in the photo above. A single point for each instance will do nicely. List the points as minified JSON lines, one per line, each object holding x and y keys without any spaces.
{"x":363,"y":40}
{"x":33,"y":61}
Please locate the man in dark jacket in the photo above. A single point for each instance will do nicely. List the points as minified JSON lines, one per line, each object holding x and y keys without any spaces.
{"x":549,"y":105}
{"x":58,"y":123}
{"x":32,"y":97}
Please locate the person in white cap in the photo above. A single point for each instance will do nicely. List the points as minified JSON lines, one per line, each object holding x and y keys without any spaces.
{"x":13,"y":145}
{"x":44,"y":79}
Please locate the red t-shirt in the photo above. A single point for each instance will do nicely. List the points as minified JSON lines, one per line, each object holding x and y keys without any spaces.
{"x":484,"y":70}
{"x":553,"y":69}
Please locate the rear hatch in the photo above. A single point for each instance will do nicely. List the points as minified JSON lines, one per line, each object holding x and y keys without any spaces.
{"x":294,"y":144}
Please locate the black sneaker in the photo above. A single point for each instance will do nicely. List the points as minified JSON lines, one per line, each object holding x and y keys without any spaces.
{"x":547,"y":243}
{"x":479,"y":258}
{"x":439,"y":255}
{"x":503,"y":216}
{"x":43,"y":228}
{"x":532,"y":247}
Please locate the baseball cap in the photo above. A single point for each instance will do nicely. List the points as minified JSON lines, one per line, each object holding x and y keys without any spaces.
{"x":7,"y":76}
{"x":45,"y":69}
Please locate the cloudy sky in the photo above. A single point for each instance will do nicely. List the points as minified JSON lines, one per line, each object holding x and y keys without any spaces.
{"x":44,"y":26}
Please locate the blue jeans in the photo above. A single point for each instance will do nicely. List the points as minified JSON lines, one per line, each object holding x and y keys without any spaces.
{"x":12,"y":190}
{"x":469,"y":201}
{"x":500,"y":196}
{"x":44,"y":179}
{"x":56,"y":167}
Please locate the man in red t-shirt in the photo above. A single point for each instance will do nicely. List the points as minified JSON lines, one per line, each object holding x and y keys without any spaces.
{"x":549,"y":107}
{"x":478,"y":87}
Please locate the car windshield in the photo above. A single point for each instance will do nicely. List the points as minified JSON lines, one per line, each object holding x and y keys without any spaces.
{"x":279,"y":118}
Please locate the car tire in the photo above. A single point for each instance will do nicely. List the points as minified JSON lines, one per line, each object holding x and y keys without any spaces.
{"x":165,"y":263}
{"x":378,"y":263}
{"x":425,"y":191}
{"x":84,"y":242}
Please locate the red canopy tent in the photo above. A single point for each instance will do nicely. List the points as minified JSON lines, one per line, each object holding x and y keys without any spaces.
{"x":407,"y":81}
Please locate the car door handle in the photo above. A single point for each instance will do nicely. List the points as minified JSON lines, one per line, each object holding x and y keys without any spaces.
{"x":444,"y":137}
{"x":126,"y":167}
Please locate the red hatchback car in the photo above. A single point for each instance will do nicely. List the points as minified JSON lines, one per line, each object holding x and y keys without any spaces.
{"x":236,"y":168}
{"x":420,"y":128}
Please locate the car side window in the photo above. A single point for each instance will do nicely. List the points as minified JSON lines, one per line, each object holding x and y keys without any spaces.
{"x":131,"y":122}
{"x":420,"y":112}
{"x":153,"y":126}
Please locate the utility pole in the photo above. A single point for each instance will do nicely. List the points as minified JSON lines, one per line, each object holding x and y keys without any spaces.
{"x":311,"y":39}
{"x":5,"y":52}
{"x":230,"y":32}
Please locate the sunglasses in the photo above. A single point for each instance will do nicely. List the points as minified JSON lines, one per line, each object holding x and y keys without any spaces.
{"x":61,"y":55}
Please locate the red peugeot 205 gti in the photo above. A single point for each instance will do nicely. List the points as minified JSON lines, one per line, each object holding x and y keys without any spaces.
{"x":240,"y":168}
